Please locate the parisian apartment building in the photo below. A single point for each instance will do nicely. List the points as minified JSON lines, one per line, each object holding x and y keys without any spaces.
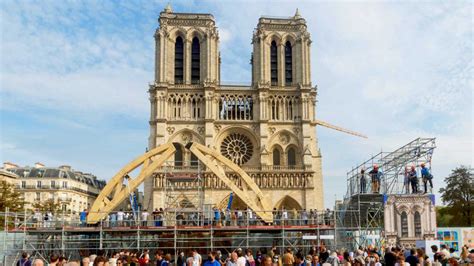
{"x":73,"y":189}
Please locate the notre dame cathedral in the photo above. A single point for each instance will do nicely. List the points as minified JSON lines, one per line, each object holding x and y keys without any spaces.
{"x":268,"y":128}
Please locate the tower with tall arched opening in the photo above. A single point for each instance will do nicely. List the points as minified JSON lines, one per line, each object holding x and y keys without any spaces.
{"x":268,"y":127}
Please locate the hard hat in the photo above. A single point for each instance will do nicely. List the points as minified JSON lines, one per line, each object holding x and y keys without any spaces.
{"x":422,"y":164}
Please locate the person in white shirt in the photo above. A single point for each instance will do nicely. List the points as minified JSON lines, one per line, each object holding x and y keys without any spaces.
{"x":197,"y":259}
{"x":241,"y":261}
{"x":144,"y":218}
{"x":120,"y":216}
{"x":250,"y":216}
{"x":284,"y":216}
{"x":240,"y":216}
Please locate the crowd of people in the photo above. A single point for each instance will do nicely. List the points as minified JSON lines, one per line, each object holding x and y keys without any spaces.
{"x":317,"y":256}
{"x":410,"y":182}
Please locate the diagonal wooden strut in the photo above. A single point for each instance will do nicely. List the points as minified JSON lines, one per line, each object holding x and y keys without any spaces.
{"x":250,"y":192}
{"x":115,"y":192}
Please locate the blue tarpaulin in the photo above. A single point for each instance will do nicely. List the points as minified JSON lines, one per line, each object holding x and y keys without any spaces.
{"x":231,"y":197}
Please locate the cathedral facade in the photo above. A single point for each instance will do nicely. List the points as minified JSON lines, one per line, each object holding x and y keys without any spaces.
{"x":268,"y":128}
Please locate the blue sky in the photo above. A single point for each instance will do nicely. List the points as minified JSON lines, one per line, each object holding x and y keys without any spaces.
{"x":74,"y":75}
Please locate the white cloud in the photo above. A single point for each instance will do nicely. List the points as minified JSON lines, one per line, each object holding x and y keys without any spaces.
{"x":392,"y":70}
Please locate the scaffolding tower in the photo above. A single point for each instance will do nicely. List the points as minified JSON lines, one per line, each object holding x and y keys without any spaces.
{"x":184,"y":190}
{"x":361,"y":214}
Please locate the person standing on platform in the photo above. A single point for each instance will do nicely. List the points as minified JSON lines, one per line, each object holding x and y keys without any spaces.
{"x":427,"y":177}
{"x":145,"y":215}
{"x":376,"y":177}
{"x":83,"y":217}
{"x":413,"y":180}
{"x":363,"y":182}
{"x":406,"y":180}
{"x":120,"y":216}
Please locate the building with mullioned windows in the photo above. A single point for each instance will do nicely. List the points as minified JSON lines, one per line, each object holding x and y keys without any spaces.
{"x":74,"y":190}
{"x":268,"y":127}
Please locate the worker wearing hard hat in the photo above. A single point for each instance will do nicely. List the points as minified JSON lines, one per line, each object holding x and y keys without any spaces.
{"x":376,"y":177}
{"x":413,"y":179}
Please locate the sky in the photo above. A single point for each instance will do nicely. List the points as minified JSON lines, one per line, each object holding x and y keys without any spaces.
{"x":74,"y":78}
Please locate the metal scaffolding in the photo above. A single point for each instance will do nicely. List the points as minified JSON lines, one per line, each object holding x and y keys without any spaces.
{"x":73,"y":238}
{"x":361,"y":213}
{"x":184,"y":190}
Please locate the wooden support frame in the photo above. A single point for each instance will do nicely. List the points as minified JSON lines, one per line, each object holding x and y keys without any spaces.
{"x":115,"y":191}
{"x":250,"y":193}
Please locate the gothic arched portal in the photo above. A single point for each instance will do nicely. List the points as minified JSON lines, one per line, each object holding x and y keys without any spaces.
{"x":288,"y":203}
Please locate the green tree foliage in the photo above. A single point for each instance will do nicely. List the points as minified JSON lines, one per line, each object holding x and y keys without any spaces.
{"x":48,"y":206}
{"x":10,"y":198}
{"x":458,"y":195}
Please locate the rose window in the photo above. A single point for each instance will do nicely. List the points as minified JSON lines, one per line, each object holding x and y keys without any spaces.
{"x":237,"y":147}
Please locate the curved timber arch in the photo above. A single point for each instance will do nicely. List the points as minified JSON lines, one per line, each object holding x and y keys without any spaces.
{"x":115,"y":191}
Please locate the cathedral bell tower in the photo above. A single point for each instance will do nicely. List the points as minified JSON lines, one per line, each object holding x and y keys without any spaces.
{"x":267,"y":128}
{"x":281,"y":73}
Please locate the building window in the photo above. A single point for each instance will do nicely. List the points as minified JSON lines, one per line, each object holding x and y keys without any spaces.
{"x":195,"y":61}
{"x":38,"y":184}
{"x":53,"y":184}
{"x":274,"y":63}
{"x":291,"y":157}
{"x":276,"y":157}
{"x":178,"y":60}
{"x":64,"y":184}
{"x":38,"y":196}
{"x":417,"y":224}
{"x":404,"y":219}
{"x":288,"y":64}
{"x":178,"y":155}
{"x":23,"y":184}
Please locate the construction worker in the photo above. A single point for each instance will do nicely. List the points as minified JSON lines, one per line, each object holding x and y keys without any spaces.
{"x":426,"y":177}
{"x":413,"y":180}
{"x":376,"y":177}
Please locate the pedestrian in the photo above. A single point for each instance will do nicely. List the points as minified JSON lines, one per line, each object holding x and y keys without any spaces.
{"x":25,"y":260}
{"x":288,"y":259}
{"x":299,"y":260}
{"x":241,"y":261}
{"x":426,"y":177}
{"x":232,"y":259}
{"x":211,"y":259}
{"x":250,"y":258}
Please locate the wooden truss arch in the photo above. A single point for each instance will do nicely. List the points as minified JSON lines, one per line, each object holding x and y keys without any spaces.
{"x":250,"y":193}
{"x":115,"y":191}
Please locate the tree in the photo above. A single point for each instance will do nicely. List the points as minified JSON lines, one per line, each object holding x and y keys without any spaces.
{"x":9,"y":198}
{"x":458,"y":195}
{"x":48,"y":205}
